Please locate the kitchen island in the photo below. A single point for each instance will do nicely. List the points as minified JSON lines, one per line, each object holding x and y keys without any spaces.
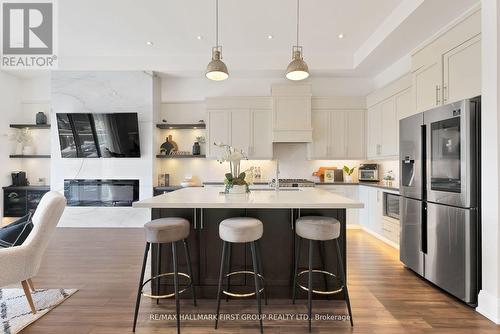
{"x":206,"y":207}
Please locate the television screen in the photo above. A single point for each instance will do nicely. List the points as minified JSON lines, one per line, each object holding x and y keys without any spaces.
{"x":114,"y":135}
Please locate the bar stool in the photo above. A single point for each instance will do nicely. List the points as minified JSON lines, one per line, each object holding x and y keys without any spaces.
{"x":163,"y":231}
{"x":241,"y":230}
{"x":320,"y":229}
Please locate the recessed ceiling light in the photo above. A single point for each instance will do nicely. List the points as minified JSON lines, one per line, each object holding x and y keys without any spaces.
{"x":341,"y":36}
{"x":149,"y":43}
{"x":270,"y":36}
{"x":199,"y":37}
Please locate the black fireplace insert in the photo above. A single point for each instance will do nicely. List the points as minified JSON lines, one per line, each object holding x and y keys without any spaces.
{"x":96,"y":192}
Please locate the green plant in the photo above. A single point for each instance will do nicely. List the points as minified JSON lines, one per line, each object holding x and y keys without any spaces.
{"x":348,"y":170}
{"x":200,"y":139}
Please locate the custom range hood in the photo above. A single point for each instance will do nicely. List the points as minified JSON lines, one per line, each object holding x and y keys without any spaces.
{"x":292,"y":113}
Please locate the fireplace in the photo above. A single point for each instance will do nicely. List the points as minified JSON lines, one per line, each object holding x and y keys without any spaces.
{"x":96,"y":192}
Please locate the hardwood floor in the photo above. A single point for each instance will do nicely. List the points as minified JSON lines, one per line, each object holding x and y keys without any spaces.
{"x":104,"y":264}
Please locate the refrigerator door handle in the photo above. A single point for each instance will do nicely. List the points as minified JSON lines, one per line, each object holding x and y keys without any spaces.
{"x":423,"y":246}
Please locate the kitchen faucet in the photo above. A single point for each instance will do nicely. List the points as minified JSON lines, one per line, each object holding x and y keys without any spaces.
{"x":277,"y":177}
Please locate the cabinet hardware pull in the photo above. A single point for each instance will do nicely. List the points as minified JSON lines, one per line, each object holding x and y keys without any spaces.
{"x":201,"y":219}
{"x":445,"y":93}
{"x":438,"y":89}
{"x":194,"y":219}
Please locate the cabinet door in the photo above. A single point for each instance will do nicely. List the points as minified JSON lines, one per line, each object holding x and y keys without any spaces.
{"x":462,"y":71}
{"x":364,"y":213}
{"x":261,"y":135}
{"x":240,"y":130}
{"x":320,"y":145}
{"x":218,"y":131}
{"x":375,"y":211}
{"x":374,"y":131}
{"x":291,"y":113}
{"x":388,"y":129}
{"x":427,"y":86}
{"x":337,"y":134}
{"x":355,"y":134}
{"x":404,"y":107}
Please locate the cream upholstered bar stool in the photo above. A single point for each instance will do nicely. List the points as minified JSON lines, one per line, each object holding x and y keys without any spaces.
{"x":163,"y":231}
{"x":319,"y":229}
{"x":241,"y":230}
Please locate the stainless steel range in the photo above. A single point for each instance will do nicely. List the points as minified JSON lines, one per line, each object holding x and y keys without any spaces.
{"x":293,"y":183}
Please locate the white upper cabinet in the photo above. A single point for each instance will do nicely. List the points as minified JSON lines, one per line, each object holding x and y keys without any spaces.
{"x":389,"y":127}
{"x":338,"y":132}
{"x":462,"y":71}
{"x":291,"y":112}
{"x":448,"y":67}
{"x":374,"y":130}
{"x":427,"y":86}
{"x":244,"y":123}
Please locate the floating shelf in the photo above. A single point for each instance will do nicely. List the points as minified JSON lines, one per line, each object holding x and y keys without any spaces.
{"x":30,"y":126}
{"x":22,"y":156}
{"x":181,"y":126}
{"x":179,"y":156}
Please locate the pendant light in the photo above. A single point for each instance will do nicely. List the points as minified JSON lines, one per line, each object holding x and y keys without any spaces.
{"x":216,"y":69}
{"x":297,"y":69}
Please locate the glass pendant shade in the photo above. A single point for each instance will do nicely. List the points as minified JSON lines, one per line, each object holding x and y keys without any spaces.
{"x":216,"y":69}
{"x":297,"y":69}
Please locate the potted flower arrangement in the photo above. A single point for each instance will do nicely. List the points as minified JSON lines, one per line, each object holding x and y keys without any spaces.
{"x":234,"y":180}
{"x":388,"y":178}
{"x":23,"y":139}
{"x":348,"y":172}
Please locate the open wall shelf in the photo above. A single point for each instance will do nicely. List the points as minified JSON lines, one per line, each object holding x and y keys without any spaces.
{"x":179,"y":156}
{"x":168,"y":126}
{"x":31,"y":156}
{"x":30,"y":126}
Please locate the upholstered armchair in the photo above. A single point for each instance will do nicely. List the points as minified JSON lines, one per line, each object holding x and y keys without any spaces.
{"x":21,"y":263}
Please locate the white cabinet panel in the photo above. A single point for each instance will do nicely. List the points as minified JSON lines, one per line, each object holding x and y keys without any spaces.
{"x":462,"y":71}
{"x":404,"y":107}
{"x":388,"y":128}
{"x":218,"y":131}
{"x":337,"y":134}
{"x":240,"y":130}
{"x":374,"y":131}
{"x":261,"y":143}
{"x":319,"y":148}
{"x":355,"y":134}
{"x":427,"y":86}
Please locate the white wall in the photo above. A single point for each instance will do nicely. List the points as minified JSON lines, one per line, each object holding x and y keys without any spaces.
{"x":10,"y":108}
{"x":105,"y":92}
{"x":197,"y":89}
{"x":489,"y":297}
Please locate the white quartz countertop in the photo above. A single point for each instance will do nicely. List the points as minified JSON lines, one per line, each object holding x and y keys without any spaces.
{"x":211,"y":197}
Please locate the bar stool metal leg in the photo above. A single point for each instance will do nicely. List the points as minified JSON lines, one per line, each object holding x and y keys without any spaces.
{"x":298,"y":241}
{"x":257,"y":288}
{"x":229,"y":262}
{"x":342,"y":274}
{"x":321,"y":249}
{"x":309,"y":293}
{"x":139,"y":289}
{"x":219,"y":290}
{"x":190,"y":269}
{"x":176,"y":286}
{"x":158,"y":271}
{"x":261,"y":269}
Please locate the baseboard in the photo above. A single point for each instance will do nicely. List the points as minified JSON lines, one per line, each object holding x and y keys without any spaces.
{"x":489,"y":306}
{"x":353,"y":227}
{"x":380,"y":237}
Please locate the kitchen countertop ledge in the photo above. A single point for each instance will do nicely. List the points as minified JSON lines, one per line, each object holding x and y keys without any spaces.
{"x":211,"y":197}
{"x":368,"y":184}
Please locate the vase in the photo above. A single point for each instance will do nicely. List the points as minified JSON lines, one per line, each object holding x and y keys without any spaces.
{"x":348,"y":179}
{"x":41,"y":118}
{"x":196,"y":148}
{"x":237,"y":189}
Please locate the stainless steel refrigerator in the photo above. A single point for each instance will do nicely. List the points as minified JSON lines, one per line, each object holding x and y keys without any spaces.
{"x":439,"y":153}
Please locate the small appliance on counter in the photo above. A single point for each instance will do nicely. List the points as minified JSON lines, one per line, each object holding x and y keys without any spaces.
{"x":19,"y":179}
{"x":368,"y":172}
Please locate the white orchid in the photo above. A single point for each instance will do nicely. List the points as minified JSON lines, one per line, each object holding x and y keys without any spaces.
{"x":234,"y":157}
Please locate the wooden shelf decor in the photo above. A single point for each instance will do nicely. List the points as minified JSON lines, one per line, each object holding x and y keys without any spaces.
{"x":179,"y":156}
{"x":30,"y":156}
{"x":30,"y":126}
{"x":189,"y":126}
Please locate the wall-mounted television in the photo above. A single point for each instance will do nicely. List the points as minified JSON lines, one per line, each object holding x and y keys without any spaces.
{"x":110,"y":135}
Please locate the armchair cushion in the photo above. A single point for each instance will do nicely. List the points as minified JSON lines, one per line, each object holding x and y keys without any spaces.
{"x":15,"y":233}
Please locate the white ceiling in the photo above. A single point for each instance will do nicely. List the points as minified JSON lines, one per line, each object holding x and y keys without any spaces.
{"x":112,"y":34}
